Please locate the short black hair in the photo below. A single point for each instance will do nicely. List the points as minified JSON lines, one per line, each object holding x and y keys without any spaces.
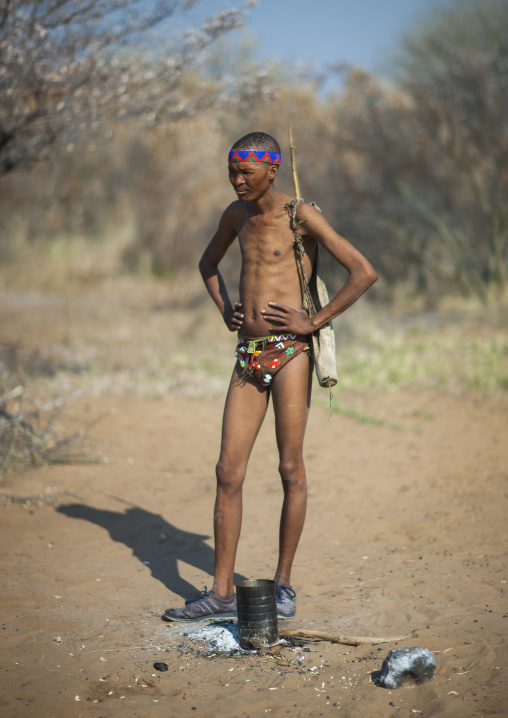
{"x":257,"y":141}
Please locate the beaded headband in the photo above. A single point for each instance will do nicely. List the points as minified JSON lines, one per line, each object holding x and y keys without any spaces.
{"x":271,"y":158}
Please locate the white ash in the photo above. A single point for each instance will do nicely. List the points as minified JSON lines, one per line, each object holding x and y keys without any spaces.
{"x":221,"y":637}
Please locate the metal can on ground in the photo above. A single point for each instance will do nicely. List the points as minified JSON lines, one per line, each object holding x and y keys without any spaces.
{"x":257,"y":613}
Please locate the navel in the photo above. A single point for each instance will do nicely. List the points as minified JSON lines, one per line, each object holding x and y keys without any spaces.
{"x":277,"y":252}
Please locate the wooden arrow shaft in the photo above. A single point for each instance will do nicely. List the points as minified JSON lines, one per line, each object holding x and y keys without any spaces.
{"x":293,"y":163}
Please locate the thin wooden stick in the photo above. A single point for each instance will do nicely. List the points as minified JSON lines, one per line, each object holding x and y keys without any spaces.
{"x":293,"y":163}
{"x":11,"y":395}
{"x":61,"y":401}
{"x":346,"y":640}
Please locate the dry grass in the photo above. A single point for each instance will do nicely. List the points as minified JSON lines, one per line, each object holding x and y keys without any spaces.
{"x":71,"y":324}
{"x":70,"y":321}
{"x":453,"y":350}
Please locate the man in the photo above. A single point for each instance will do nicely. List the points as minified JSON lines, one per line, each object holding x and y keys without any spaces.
{"x":273,"y":356}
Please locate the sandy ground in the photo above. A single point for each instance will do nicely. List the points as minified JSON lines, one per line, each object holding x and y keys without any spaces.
{"x":406,"y":528}
{"x":406,"y":531}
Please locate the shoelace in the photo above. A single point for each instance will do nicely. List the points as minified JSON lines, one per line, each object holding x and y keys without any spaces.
{"x":201,"y":594}
{"x":280,"y":590}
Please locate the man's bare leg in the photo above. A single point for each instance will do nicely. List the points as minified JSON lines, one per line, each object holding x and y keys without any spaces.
{"x":291,"y":392}
{"x":244,"y":411}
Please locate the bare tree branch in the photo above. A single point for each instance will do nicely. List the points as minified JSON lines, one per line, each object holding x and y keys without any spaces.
{"x":68,"y":66}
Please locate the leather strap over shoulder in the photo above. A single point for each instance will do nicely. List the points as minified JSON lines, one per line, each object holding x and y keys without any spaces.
{"x":291,"y":207}
{"x":308,"y":303}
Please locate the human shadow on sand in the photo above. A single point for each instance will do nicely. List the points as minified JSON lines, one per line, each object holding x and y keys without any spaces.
{"x":155,"y":542}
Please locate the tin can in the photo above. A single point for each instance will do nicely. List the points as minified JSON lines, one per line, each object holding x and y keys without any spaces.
{"x":257,"y":613}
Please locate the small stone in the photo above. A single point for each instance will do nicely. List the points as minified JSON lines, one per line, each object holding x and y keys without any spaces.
{"x":160,"y":666}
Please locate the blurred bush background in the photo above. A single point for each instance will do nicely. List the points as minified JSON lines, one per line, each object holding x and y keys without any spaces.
{"x":412,"y":167}
{"x":113,"y":145}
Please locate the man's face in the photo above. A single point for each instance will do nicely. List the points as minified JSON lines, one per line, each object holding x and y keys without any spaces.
{"x":250,"y":180}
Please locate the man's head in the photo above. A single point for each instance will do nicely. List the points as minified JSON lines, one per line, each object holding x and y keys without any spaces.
{"x":253,"y":164}
{"x":256,"y":147}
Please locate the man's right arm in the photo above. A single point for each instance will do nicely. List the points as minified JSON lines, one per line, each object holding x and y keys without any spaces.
{"x":209,"y":268}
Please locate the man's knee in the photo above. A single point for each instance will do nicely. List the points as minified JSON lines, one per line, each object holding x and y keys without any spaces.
{"x":292,"y":473}
{"x":229,"y":476}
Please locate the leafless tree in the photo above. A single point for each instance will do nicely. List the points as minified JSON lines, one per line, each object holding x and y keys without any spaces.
{"x":67,"y":65}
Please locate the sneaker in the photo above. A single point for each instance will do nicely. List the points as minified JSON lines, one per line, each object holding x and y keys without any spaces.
{"x":286,"y":600}
{"x":205,"y":605}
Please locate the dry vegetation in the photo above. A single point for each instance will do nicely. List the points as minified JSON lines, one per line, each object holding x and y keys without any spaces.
{"x":67,"y":328}
{"x":99,"y":244}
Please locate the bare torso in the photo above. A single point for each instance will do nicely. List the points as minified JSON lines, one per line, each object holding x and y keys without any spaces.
{"x":270,"y":269}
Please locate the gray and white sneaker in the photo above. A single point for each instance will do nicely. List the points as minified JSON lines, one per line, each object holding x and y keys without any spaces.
{"x":286,"y":600}
{"x":203,"y":606}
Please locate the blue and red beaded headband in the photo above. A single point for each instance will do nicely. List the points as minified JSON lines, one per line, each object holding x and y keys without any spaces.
{"x":271,"y":158}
